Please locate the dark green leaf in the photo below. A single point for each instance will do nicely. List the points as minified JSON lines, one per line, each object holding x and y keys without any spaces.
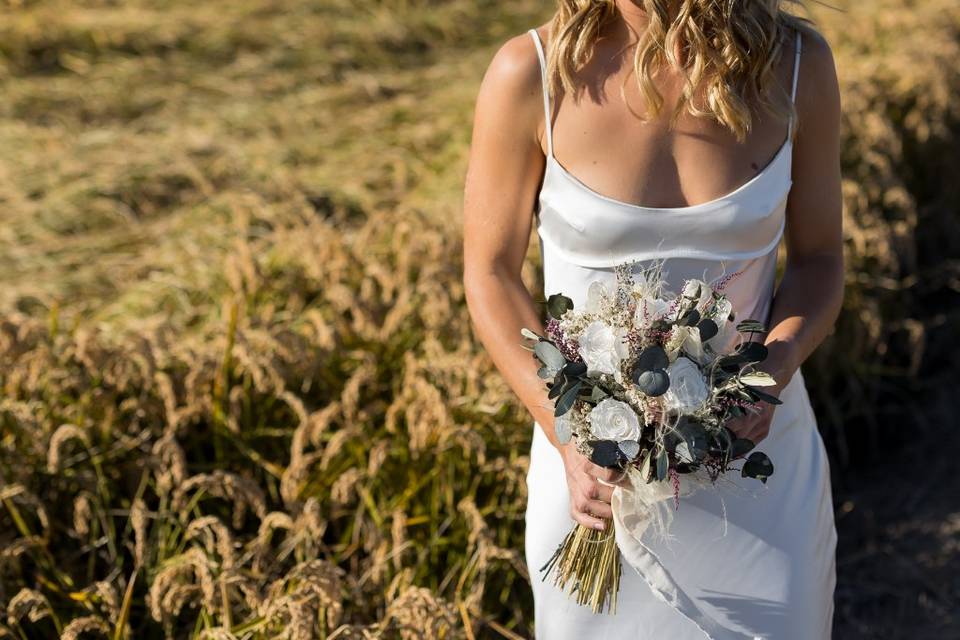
{"x":708,"y":329}
{"x":606,"y":453}
{"x":653,"y":383}
{"x":762,"y":395}
{"x":574,"y":369}
{"x":751,"y":326}
{"x":740,"y":447}
{"x":690,"y":318}
{"x":558,"y":304}
{"x":652,"y":357}
{"x":758,"y":466}
{"x":662,"y":465}
{"x":569,"y":396}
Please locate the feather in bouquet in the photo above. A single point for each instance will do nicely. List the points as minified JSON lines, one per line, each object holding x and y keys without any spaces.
{"x":645,"y":381}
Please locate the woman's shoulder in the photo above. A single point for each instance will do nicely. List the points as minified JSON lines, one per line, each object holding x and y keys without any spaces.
{"x":511,"y":85}
{"x":818,"y":91}
{"x":515,"y":65}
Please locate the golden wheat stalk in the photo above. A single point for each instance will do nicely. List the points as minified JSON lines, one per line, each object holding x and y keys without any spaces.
{"x":587,"y":565}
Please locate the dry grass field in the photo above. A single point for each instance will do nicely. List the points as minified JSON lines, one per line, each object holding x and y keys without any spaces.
{"x":240,"y":396}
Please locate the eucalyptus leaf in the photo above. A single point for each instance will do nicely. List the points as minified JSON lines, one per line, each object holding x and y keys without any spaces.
{"x":606,"y":453}
{"x":549,"y":355}
{"x":694,"y":438}
{"x":563,"y":430}
{"x":575,"y":368}
{"x":567,"y":398}
{"x":662,"y":465}
{"x":630,"y":448}
{"x":558,"y":304}
{"x":653,"y":383}
{"x":556,"y":388}
{"x":758,"y":466}
{"x":708,"y":329}
{"x":753,"y":351}
{"x":652,"y":357}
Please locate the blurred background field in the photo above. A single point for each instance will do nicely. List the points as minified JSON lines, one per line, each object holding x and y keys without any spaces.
{"x":240,"y":392}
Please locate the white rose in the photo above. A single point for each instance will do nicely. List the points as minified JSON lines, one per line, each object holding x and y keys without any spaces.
{"x":688,"y":389}
{"x":614,"y":420}
{"x":603,"y":347}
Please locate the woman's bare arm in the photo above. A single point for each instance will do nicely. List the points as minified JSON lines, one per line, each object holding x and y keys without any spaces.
{"x":505,"y":168}
{"x":809,"y":297}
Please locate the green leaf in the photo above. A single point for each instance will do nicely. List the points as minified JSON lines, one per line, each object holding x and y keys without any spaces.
{"x":653,"y":383}
{"x":741,"y":446}
{"x":650,"y":358}
{"x":762,"y":395}
{"x":558,"y":304}
{"x":630,"y":448}
{"x":758,"y":466}
{"x":569,"y":396}
{"x":751,"y":326}
{"x":758,"y":379}
{"x":597,"y":394}
{"x":662,"y":465}
{"x":550,"y":356}
{"x":690,"y":318}
{"x":708,"y":329}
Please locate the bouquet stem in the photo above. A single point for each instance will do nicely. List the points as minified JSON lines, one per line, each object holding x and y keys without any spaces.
{"x":587,"y":565}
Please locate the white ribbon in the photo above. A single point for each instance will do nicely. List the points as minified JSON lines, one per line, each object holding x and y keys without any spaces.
{"x":634,"y":509}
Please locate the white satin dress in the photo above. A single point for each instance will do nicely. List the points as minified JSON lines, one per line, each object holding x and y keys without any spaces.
{"x":746,"y":560}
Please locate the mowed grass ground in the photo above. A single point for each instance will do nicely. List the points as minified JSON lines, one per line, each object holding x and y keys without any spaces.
{"x":240,"y":390}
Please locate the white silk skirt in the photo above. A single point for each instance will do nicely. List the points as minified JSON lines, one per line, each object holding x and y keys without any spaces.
{"x":744,"y":560}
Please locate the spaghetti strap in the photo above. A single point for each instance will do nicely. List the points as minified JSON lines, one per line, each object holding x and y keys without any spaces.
{"x":545,"y":90}
{"x":796,"y":74}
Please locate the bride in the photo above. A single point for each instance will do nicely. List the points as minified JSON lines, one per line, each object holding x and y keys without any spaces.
{"x":703,"y":133}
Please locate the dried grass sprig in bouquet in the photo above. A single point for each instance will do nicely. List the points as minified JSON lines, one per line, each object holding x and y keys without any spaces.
{"x":645,"y":381}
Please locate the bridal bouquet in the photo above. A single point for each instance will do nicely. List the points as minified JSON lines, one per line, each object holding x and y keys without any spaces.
{"x":643,"y":381}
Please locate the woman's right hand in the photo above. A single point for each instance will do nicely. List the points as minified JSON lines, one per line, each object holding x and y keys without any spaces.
{"x":589,"y":497}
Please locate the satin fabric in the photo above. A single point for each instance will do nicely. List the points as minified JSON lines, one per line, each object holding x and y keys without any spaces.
{"x":744,"y":559}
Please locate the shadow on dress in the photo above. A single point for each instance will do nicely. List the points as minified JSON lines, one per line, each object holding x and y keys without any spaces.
{"x":758,"y":615}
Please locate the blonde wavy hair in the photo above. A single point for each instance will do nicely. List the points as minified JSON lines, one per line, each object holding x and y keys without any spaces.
{"x":730,"y":49}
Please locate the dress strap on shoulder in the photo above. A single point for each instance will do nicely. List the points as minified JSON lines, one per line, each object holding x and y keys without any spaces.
{"x":796,"y":74}
{"x":545,"y":89}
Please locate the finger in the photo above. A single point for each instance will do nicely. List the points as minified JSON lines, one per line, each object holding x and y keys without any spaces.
{"x":603,"y":493}
{"x":599,"y":509}
{"x":605,"y":474}
{"x":587,"y":520}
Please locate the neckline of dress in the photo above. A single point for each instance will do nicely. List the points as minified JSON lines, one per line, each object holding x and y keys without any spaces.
{"x":788,"y":143}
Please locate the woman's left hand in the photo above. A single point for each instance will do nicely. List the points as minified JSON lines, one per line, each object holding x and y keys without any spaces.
{"x":756,"y":426}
